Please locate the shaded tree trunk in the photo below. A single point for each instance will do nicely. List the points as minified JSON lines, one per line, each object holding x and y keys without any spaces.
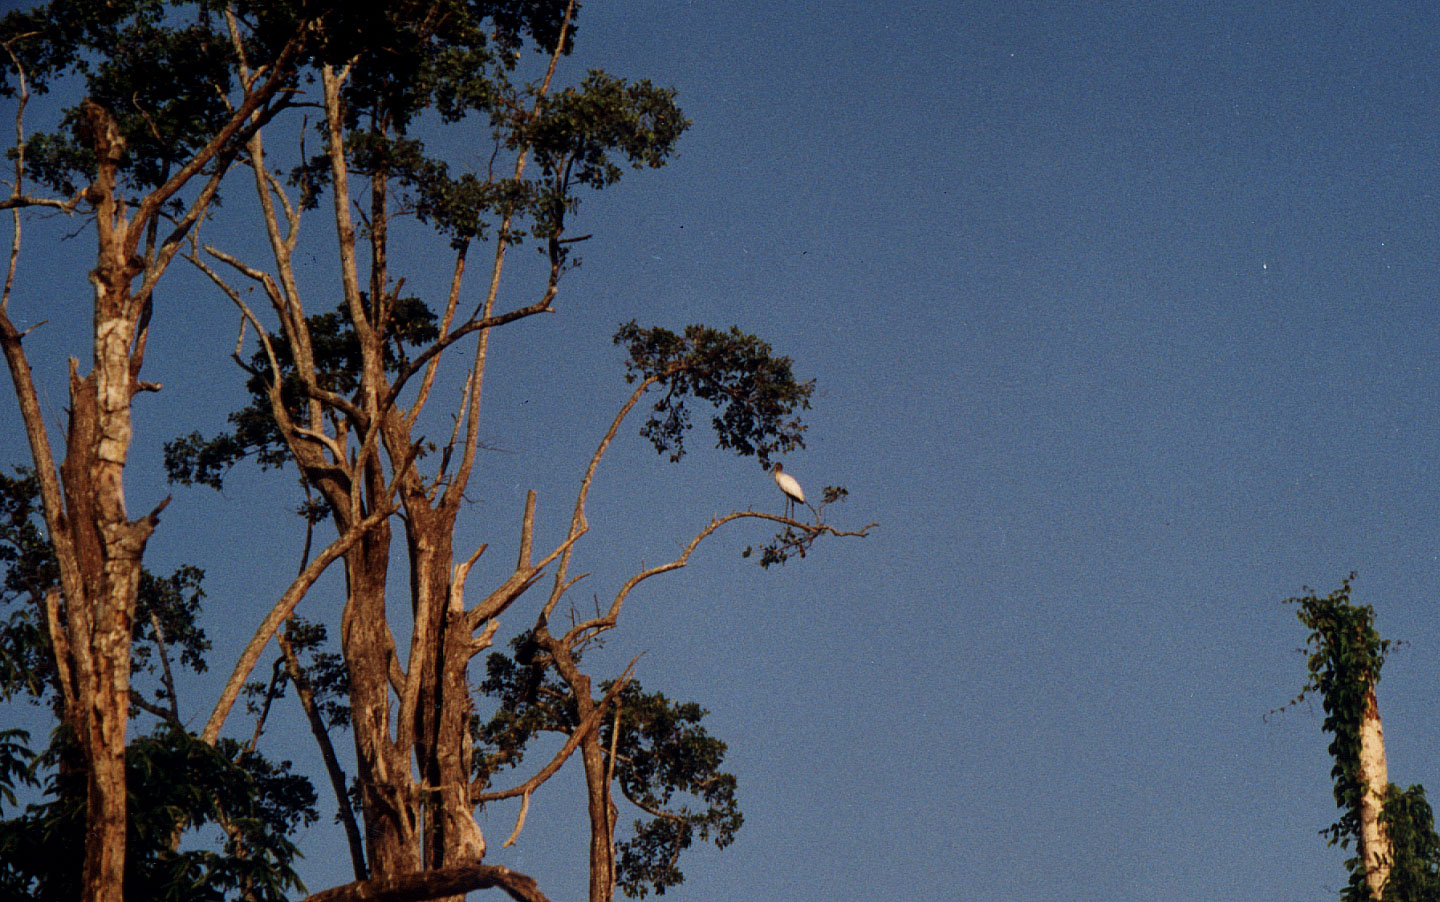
{"x":597,"y":777}
{"x":388,"y":792}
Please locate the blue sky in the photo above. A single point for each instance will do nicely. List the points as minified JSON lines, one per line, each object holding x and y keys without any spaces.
{"x":1123,"y":319}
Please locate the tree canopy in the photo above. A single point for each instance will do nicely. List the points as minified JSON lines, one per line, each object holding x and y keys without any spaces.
{"x":338,"y":121}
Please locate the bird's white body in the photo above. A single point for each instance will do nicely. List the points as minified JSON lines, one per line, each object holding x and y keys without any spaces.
{"x":789,"y":486}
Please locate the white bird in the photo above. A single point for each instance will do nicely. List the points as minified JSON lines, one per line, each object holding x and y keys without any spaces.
{"x":790,"y":487}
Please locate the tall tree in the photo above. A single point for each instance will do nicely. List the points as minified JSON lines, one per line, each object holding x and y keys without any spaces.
{"x":342,"y":393}
{"x":142,"y":158}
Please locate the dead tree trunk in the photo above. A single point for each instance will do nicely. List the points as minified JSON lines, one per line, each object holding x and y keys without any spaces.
{"x":592,"y":756}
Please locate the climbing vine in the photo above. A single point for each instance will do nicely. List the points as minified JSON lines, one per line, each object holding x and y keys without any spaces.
{"x":1344,"y":657}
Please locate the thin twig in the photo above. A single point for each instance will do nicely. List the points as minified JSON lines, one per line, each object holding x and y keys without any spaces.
{"x":272,"y":691}
{"x":166,"y":676}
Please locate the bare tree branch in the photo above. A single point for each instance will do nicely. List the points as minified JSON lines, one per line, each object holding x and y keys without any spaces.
{"x":18,"y":201}
{"x":526,"y":573}
{"x":61,"y":643}
{"x":582,"y":729}
{"x":167,"y":677}
{"x":435,"y":883}
{"x":272,"y":690}
{"x":577,"y":520}
{"x":278,"y":614}
{"x":519,"y":821}
{"x":306,"y":694}
{"x":452,"y":301}
{"x":589,"y":628}
{"x":241,"y":118}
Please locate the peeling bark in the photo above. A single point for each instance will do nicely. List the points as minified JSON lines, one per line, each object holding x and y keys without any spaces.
{"x":99,"y":601}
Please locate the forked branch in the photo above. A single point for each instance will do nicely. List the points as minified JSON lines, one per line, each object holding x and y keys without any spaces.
{"x":280,"y":613}
{"x":587,"y":629}
{"x":582,"y":729}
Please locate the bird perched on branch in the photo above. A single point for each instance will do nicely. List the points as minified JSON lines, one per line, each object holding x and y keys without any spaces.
{"x":790,"y":487}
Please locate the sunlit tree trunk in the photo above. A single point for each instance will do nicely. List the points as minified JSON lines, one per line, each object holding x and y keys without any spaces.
{"x":1374,"y":782}
{"x":388,"y":792}
{"x":98,"y":547}
{"x":602,"y":818}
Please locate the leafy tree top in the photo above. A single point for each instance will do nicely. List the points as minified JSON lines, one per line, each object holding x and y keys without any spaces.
{"x":755,"y":392}
{"x":1344,"y":656}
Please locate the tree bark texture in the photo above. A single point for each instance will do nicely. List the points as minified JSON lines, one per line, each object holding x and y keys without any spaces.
{"x":389,"y":796}
{"x":1374,"y":781}
{"x":597,"y":776}
{"x":99,"y":546}
{"x":455,"y":880}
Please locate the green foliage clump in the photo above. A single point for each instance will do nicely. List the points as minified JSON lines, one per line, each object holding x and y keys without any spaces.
{"x":662,"y":751}
{"x":1415,"y":863}
{"x":665,"y":763}
{"x":755,"y":392}
{"x":162,"y":69}
{"x":1345,"y":655}
{"x":175,"y":783}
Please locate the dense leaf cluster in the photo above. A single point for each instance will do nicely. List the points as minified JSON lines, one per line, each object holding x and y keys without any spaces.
{"x":1345,"y":657}
{"x":175,"y":782}
{"x":530,"y":698}
{"x":755,"y":392}
{"x":163,"y":70}
{"x":661,"y":752}
{"x":1415,"y":864}
{"x":457,"y":60}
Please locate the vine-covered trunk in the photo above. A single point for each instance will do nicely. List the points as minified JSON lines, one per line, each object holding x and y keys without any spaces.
{"x":1374,"y":783}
